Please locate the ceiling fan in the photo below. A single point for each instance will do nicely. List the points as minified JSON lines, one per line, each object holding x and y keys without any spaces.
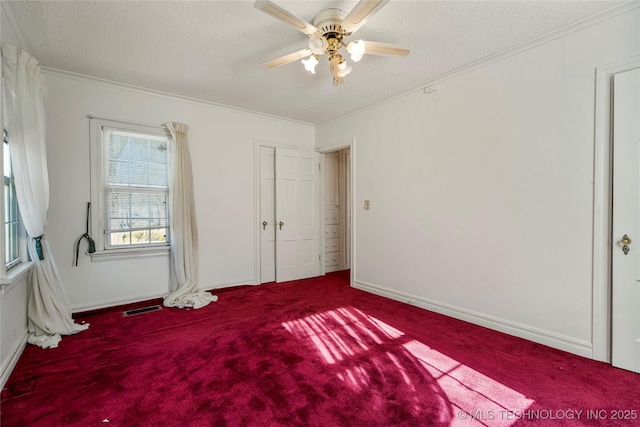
{"x":327,"y":35}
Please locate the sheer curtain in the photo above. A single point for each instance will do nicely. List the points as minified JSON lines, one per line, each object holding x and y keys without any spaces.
{"x":183,"y":226}
{"x":25,"y":122}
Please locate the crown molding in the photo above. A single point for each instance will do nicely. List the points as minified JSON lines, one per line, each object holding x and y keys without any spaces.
{"x":146,"y":91}
{"x":585,"y":23}
{"x":523,"y":47}
{"x":7,"y":8}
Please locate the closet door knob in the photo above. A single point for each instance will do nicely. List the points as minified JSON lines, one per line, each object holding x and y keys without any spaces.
{"x":625,"y":242}
{"x":264,"y":225}
{"x":281,"y":224}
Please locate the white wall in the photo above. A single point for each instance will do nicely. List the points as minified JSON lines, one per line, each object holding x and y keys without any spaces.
{"x":13,"y":293}
{"x":481,"y":193}
{"x":222,"y":149}
{"x":13,"y":324}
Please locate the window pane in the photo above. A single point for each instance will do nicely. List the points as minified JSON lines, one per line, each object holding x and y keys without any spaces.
{"x":158,"y":210}
{"x":152,"y":235}
{"x":139,"y":174}
{"x":139,"y":149}
{"x":119,"y":210}
{"x":117,"y":146}
{"x":137,"y":218}
{"x":137,"y":188}
{"x":11,"y":237}
{"x":158,"y":175}
{"x":158,"y":152}
{"x":119,"y":223}
{"x":7,"y":199}
{"x":118,"y":173}
{"x":140,"y":237}
{"x":7,"y":243}
{"x":159,"y":235}
{"x":7,"y":160}
{"x":11,"y":248}
{"x":119,"y":239}
{"x":139,"y":210}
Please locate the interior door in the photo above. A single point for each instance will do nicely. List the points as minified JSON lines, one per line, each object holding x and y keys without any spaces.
{"x":267,"y":212}
{"x":297,"y":214}
{"x":625,"y":320}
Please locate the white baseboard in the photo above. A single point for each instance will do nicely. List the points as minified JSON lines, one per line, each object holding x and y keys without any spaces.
{"x":248,"y":282}
{"x":80,"y":308}
{"x":12,"y":358}
{"x":552,"y":339}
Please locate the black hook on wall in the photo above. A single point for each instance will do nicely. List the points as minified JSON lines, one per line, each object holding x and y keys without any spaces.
{"x":92,"y":245}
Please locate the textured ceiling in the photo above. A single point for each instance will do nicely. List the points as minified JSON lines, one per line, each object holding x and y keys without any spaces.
{"x":212,"y":50}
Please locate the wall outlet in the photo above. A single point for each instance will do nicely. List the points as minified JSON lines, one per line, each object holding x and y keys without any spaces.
{"x":367,"y":205}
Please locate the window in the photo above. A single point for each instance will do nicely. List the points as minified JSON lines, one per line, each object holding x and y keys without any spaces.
{"x":130,"y":190}
{"x":11,"y":215}
{"x":137,"y":188}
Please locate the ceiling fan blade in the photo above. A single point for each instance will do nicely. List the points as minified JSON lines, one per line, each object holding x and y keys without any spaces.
{"x":385,"y":49}
{"x":287,"y":58}
{"x":285,"y":16}
{"x":364,"y":10}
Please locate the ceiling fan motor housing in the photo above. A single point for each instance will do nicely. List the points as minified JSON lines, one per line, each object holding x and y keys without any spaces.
{"x":329,"y":20}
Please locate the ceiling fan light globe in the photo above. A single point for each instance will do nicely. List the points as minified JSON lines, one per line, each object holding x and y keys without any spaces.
{"x":344,"y":69}
{"x":357,"y":50}
{"x":310,"y":64}
{"x":318,"y":44}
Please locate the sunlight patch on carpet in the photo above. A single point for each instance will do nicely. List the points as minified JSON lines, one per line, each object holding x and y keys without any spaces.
{"x":479,"y":397}
{"x":364,"y":349}
{"x":341,"y":333}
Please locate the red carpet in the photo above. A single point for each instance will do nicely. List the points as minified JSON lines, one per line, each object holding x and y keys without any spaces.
{"x":308,"y":353}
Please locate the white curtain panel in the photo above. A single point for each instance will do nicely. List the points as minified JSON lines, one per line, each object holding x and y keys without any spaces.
{"x":185,"y":291}
{"x":24,"y":119}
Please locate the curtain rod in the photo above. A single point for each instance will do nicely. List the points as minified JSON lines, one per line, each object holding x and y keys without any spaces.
{"x":91,"y":116}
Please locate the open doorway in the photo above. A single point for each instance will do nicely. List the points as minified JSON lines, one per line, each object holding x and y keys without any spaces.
{"x":337,"y":210}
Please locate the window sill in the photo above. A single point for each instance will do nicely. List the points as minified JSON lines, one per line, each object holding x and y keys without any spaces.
{"x":14,"y":275}
{"x":130,"y":253}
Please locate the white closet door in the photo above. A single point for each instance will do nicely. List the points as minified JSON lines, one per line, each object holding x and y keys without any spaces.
{"x":267,"y":212}
{"x":625,"y":350}
{"x":297,"y":214}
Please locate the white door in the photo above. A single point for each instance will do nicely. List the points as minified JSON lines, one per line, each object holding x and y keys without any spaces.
{"x":625,"y":350}
{"x":297,"y":214}
{"x":267,"y":212}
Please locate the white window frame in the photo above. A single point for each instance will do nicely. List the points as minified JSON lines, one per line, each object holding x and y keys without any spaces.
{"x":13,"y":271}
{"x":104,"y":252}
{"x":11,"y":183}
